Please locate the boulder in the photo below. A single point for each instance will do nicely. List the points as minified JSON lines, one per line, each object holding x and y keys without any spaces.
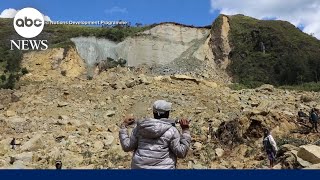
{"x":5,"y":146}
{"x":198,"y":166}
{"x":130,"y":83}
{"x":143,"y":79}
{"x":109,"y":113}
{"x":118,"y":85}
{"x":301,"y":162}
{"x":313,"y":166}
{"x":286,"y":148}
{"x":63,"y":117}
{"x":310,"y":153}
{"x":63,"y":104}
{"x":10,"y":113}
{"x":197,"y":146}
{"x":113,"y":128}
{"x":33,"y":144}
{"x":219,"y":152}
{"x":25,"y":157}
{"x":98,"y":146}
{"x":108,"y":140}
{"x":289,"y":161}
{"x":184,"y":77}
{"x":266,"y":87}
{"x":91,"y":166}
{"x":18,"y":165}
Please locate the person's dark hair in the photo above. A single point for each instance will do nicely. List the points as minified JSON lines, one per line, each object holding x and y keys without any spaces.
{"x":58,"y":165}
{"x":266,"y":132}
{"x":165,"y":115}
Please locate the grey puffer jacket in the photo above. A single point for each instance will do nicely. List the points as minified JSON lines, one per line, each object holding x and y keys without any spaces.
{"x":156,"y":144}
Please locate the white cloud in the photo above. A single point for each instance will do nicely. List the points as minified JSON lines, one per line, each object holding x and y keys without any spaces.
{"x":46,"y":18}
{"x":116,"y":9}
{"x":304,"y":13}
{"x":10,"y":13}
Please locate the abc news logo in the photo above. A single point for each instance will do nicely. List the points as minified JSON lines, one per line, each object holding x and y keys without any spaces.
{"x":26,"y":22}
{"x":29,"y":23}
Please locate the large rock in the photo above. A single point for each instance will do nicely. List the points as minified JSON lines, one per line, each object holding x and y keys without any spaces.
{"x":289,"y":161}
{"x":18,"y":165}
{"x":131,"y":83}
{"x":33,"y":144}
{"x":25,"y":157}
{"x":10,"y":113}
{"x":313,"y":166}
{"x":266,"y":87}
{"x":198,"y":166}
{"x":197,"y":146}
{"x":286,"y":148}
{"x":184,"y":77}
{"x":310,"y":153}
{"x":108,"y":140}
{"x":98,"y":146}
{"x":109,"y":113}
{"x":5,"y":146}
{"x":301,"y":162}
{"x":219,"y":152}
{"x":62,"y":104}
{"x":143,"y":79}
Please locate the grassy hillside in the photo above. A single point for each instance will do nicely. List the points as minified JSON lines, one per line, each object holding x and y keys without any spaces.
{"x":57,"y":36}
{"x":291,"y":57}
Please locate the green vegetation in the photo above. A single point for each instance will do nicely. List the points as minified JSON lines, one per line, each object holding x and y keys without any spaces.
{"x":60,"y":34}
{"x":291,"y":57}
{"x":9,"y":60}
{"x":292,"y":141}
{"x":312,"y":86}
{"x":237,"y":86}
{"x":57,"y":36}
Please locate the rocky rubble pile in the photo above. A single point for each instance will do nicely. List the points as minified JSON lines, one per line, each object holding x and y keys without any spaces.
{"x":76,"y":120}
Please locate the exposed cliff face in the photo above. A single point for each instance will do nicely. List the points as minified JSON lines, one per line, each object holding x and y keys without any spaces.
{"x":169,"y":48}
{"x":159,"y":45}
{"x":220,"y":41}
{"x":53,"y":64}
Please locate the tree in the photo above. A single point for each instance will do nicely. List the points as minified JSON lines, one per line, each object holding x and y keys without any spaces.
{"x":3,"y":77}
{"x":24,"y":71}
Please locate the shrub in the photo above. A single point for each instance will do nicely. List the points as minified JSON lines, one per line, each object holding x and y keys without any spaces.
{"x":64,"y":73}
{"x":292,"y":141}
{"x":237,"y":86}
{"x":24,"y":71}
{"x":3,"y":77}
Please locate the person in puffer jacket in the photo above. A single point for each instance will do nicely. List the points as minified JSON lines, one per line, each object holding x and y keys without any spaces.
{"x":156,"y":142}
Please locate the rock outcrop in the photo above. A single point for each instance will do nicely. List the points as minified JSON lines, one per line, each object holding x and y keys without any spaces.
{"x":310,"y":153}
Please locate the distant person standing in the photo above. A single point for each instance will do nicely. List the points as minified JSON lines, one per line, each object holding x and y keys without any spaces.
{"x":314,"y":118}
{"x":270,"y":147}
